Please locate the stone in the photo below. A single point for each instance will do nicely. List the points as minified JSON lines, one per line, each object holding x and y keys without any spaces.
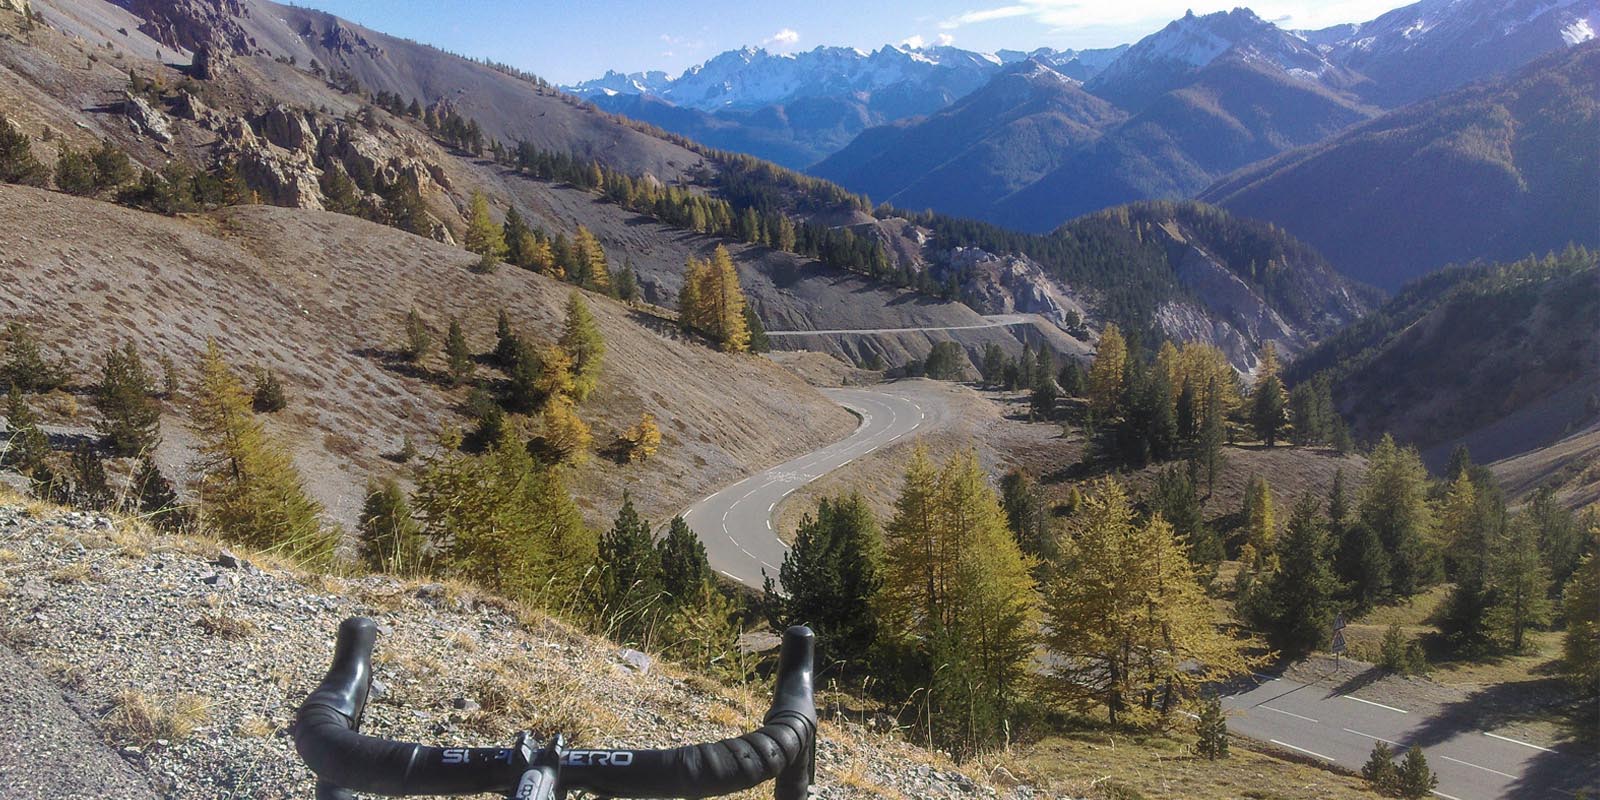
{"x":227,"y":559}
{"x":146,"y":119}
{"x":466,"y":704}
{"x":634,"y":660}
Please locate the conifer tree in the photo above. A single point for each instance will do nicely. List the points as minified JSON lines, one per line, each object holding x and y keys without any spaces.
{"x":1521,"y":581}
{"x":555,"y":373}
{"x":992,"y":365}
{"x":1260,"y":531}
{"x":249,"y":489}
{"x":268,"y":396}
{"x":915,"y":580}
{"x":483,"y":236}
{"x":684,"y":568}
{"x":831,"y":576}
{"x":111,"y":167}
{"x":391,"y":539}
{"x":642,"y":439}
{"x":155,"y":498}
{"x":504,"y":520}
{"x":25,"y":365}
{"x":419,"y":340}
{"x":1469,"y":523}
{"x":1027,"y":515}
{"x":1580,"y":646}
{"x":26,"y":446}
{"x":75,"y":172}
{"x":458,"y":354}
{"x":518,"y":238}
{"x":1266,"y":409}
{"x":1414,"y":780}
{"x":1561,"y":538}
{"x":130,"y":418}
{"x":1363,"y":566}
{"x":1380,"y":771}
{"x":724,"y":303}
{"x":1298,"y":604}
{"x":563,"y":432}
{"x":1106,"y":373}
{"x":339,"y":193}
{"x":1173,"y":497}
{"x":1208,"y":448}
{"x":580,"y":338}
{"x":1211,"y":730}
{"x":1128,"y":618}
{"x":629,"y":590}
{"x":691,"y":307}
{"x":594,"y":272}
{"x":90,"y":487}
{"x":17,"y":163}
{"x":1394,"y":505}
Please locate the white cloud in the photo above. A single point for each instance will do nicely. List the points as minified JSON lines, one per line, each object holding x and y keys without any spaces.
{"x":784,"y":38}
{"x":915,"y":42}
{"x":945,"y":40}
{"x":1066,"y":15}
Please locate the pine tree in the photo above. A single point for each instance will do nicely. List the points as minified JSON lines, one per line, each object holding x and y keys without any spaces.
{"x":1211,"y":730}
{"x":1394,"y":505}
{"x":391,"y":539}
{"x":518,"y":238}
{"x":1414,"y":780}
{"x":1260,"y":531}
{"x":992,"y":365}
{"x":458,"y":355}
{"x":17,"y":164}
{"x":1107,"y":371}
{"x":725,"y":303}
{"x":1173,"y":497}
{"x":831,"y":576}
{"x":26,"y":367}
{"x":483,"y":236}
{"x":1298,"y":604}
{"x":1027,"y":515}
{"x":75,"y":172}
{"x":1469,"y":523}
{"x":1363,"y":566}
{"x":339,"y":193}
{"x":1266,"y":411}
{"x":625,"y":283}
{"x":26,"y":446}
{"x":1212,"y":435}
{"x":594,"y":272}
{"x":1128,"y":618}
{"x":1380,"y":771}
{"x":130,"y":418}
{"x":419,"y":340}
{"x":628,"y":595}
{"x":155,"y":498}
{"x":915,"y":580}
{"x":1520,"y":582}
{"x":249,"y":489}
{"x":1580,"y":646}
{"x":564,"y":434}
{"x":111,"y":167}
{"x":691,"y":307}
{"x":504,"y":520}
{"x":1560,"y":535}
{"x":267,"y":396}
{"x":684,"y":568}
{"x":580,"y":338}
{"x":90,"y":487}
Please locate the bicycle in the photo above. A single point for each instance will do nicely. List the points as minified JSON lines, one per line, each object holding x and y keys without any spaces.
{"x":326,"y":735}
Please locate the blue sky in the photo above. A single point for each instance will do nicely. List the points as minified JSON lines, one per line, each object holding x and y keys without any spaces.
{"x":569,"y":41}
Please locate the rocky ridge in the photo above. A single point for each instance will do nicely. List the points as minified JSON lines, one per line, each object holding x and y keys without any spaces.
{"x":118,"y":617}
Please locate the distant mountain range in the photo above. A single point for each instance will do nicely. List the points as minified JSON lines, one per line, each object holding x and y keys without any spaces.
{"x":1491,"y":171}
{"x":796,"y":108}
{"x":1031,"y":139}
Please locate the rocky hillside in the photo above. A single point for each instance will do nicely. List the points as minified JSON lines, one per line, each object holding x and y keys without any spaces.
{"x":1504,"y":359}
{"x":172,"y":669}
{"x":1494,"y":171}
{"x":298,"y":292}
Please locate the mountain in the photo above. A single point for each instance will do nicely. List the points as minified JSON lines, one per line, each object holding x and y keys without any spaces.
{"x":1492,"y":171}
{"x":1168,"y":59}
{"x":1502,"y":358}
{"x":986,"y":145}
{"x":797,"y":108}
{"x":1426,"y":48}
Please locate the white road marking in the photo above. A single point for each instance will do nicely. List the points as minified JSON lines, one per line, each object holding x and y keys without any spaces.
{"x":1475,"y":766}
{"x":1264,"y":677}
{"x":1379,"y":705}
{"x":772,"y":505}
{"x":1378,"y":738}
{"x":731,"y":575}
{"x":769,"y":524}
{"x":1516,"y":741}
{"x":1190,"y":714}
{"x":1301,"y":749}
{"x":1445,"y":796}
{"x":1286,"y":713}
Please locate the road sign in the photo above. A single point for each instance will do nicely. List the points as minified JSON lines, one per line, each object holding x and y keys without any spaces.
{"x":1338,"y":642}
{"x":1338,"y":622}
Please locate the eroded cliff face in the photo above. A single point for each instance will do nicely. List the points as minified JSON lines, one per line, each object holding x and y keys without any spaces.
{"x":194,"y":25}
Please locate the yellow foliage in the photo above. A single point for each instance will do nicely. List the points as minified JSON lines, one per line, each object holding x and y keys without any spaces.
{"x":643,"y":439}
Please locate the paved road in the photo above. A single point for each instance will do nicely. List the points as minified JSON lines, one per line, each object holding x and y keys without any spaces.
{"x":736,"y":523}
{"x":1340,"y":727}
{"x":992,"y":321}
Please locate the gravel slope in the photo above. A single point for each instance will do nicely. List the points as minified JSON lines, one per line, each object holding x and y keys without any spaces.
{"x":106,"y":609}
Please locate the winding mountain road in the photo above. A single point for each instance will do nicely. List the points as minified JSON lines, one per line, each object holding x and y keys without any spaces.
{"x":736,"y":523}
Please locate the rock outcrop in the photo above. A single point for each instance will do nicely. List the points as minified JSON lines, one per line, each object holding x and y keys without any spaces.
{"x":195,"y":25}
{"x":146,"y":119}
{"x":19,"y":6}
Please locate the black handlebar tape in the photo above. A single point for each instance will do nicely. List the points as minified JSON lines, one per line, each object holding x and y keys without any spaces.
{"x":325,"y":735}
{"x":783,"y":748}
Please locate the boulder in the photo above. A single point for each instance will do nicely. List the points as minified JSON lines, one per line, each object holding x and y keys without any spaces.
{"x":289,"y":181}
{"x":146,"y":119}
{"x":287,"y":129}
{"x":190,"y":108}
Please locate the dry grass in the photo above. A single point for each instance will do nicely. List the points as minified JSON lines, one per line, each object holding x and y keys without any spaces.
{"x":516,"y":694}
{"x":253,"y":727}
{"x":139,"y":719}
{"x":75,"y":572}
{"x":1109,"y":766}
{"x":225,"y":626}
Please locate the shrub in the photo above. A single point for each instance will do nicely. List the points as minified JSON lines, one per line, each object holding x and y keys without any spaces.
{"x":267,"y":396}
{"x":1212,"y":730}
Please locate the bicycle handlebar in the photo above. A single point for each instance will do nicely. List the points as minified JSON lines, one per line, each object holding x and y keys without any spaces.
{"x":783,"y":748}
